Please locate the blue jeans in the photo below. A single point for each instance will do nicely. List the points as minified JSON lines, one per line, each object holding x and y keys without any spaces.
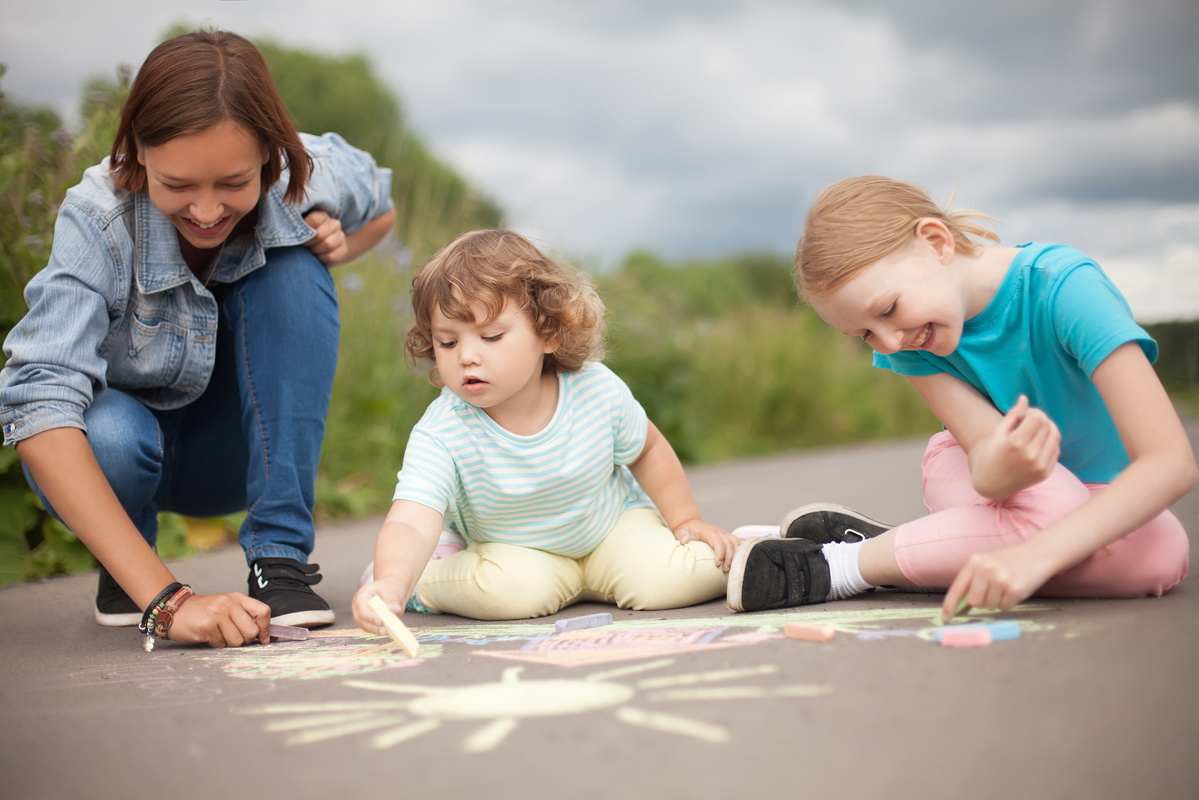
{"x":252,"y":441}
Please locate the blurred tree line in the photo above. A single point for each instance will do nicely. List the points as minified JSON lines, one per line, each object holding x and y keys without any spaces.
{"x":721,"y":355}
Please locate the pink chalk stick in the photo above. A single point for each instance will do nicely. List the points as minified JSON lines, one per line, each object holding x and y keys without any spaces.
{"x":966,"y":637}
{"x":810,"y":633}
{"x":289,"y":632}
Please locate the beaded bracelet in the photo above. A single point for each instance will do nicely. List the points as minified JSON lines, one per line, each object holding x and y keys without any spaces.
{"x":145,"y":626}
{"x":150,"y":618}
{"x":162,"y":622}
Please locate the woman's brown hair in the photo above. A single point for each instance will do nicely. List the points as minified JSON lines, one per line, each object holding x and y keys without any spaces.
{"x":200,"y":79}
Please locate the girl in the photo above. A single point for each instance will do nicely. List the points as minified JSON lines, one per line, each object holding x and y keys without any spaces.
{"x":1061,"y":451}
{"x":180,"y":345}
{"x":540,"y":457}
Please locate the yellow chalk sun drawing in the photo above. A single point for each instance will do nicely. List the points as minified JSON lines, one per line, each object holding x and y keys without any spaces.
{"x":497,"y":708}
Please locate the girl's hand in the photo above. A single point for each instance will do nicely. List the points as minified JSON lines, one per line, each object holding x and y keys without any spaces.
{"x":221,"y":620}
{"x":723,"y":543}
{"x":998,"y":580}
{"x":329,"y":244}
{"x":391,"y":591}
{"x":1021,"y":452}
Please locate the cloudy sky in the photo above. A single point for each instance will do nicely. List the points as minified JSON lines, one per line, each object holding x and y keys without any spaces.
{"x":698,"y":128}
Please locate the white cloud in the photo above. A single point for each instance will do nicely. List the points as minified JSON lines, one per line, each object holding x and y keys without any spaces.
{"x":695,"y":128}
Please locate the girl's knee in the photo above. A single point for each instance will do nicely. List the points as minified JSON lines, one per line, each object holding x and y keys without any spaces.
{"x":1163,"y":553}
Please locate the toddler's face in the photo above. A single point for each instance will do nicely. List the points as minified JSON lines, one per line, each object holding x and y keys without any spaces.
{"x":492,"y":364}
{"x":908,"y":300}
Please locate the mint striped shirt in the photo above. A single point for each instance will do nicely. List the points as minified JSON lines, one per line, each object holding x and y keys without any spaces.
{"x":560,"y":490}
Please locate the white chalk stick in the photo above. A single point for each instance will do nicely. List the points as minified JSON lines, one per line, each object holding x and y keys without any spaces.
{"x":585,"y":621}
{"x":396,"y":629}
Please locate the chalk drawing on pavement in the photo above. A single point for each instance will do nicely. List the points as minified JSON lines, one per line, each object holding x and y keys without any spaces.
{"x":495,"y":710}
{"x":350,"y":652}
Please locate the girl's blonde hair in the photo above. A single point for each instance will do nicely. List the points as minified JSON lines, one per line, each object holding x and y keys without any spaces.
{"x":495,"y":267}
{"x":858,"y":221}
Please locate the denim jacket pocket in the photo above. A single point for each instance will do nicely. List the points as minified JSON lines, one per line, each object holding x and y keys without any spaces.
{"x":144,"y":352}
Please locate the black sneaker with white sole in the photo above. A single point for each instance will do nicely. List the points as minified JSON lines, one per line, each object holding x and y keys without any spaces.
{"x":114,"y":608}
{"x":285,"y":585}
{"x":769,"y":573}
{"x":827,"y":522}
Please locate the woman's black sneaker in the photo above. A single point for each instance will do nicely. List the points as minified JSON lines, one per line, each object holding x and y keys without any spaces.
{"x":285,"y":585}
{"x":827,"y":522}
{"x":114,"y":608}
{"x":768,"y":572}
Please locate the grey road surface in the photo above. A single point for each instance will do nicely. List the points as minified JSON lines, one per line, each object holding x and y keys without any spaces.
{"x":1096,"y":699}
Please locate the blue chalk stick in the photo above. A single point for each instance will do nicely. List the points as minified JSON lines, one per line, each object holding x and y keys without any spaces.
{"x":585,"y":621}
{"x":1004,"y":629}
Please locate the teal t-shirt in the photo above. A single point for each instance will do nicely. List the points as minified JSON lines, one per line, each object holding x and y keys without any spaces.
{"x":1054,"y":319}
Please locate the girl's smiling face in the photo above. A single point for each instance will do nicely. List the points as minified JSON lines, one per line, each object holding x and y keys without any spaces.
{"x":495,"y":364}
{"x":911,"y":299}
{"x":205,"y":183}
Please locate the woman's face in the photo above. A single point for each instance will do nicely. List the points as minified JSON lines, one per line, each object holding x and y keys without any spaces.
{"x":205,"y":182}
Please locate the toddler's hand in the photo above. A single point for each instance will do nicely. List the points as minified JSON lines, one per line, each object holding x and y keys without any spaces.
{"x":723,"y":543}
{"x":391,"y":591}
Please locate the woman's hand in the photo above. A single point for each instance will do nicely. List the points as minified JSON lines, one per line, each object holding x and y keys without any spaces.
{"x":391,"y":591}
{"x":334,"y":247}
{"x":221,"y":620}
{"x":723,"y":543}
{"x":1021,"y":452}
{"x":329,"y":244}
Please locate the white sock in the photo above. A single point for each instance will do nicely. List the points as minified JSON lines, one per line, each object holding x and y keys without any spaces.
{"x":842,"y":558}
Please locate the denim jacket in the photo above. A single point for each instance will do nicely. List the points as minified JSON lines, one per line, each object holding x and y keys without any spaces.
{"x":117,"y":306}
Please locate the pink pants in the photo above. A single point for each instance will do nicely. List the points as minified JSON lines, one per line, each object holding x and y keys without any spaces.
{"x":931,"y":550}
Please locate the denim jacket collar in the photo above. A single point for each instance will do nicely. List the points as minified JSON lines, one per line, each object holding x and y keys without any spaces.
{"x":158,"y":262}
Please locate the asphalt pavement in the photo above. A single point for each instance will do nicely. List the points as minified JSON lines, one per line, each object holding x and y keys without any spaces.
{"x":1095,"y":699}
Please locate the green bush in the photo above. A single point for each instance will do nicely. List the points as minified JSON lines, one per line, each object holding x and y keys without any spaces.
{"x":39,"y":161}
{"x":377,"y":398}
{"x":728,"y":365}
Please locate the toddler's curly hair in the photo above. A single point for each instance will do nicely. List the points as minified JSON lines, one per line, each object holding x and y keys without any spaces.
{"x":492,"y":268}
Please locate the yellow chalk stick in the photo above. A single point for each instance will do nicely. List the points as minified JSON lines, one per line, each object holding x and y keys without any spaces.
{"x":395,"y":628}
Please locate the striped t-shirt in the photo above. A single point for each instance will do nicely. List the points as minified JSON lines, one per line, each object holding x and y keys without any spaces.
{"x":560,"y":490}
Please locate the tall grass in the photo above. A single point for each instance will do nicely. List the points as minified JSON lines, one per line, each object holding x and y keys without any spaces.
{"x":730,"y":367}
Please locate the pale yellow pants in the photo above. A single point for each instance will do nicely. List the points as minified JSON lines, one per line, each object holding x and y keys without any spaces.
{"x":639,"y":565}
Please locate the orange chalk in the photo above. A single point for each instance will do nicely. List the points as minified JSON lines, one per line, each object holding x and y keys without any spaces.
{"x":810,"y":633}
